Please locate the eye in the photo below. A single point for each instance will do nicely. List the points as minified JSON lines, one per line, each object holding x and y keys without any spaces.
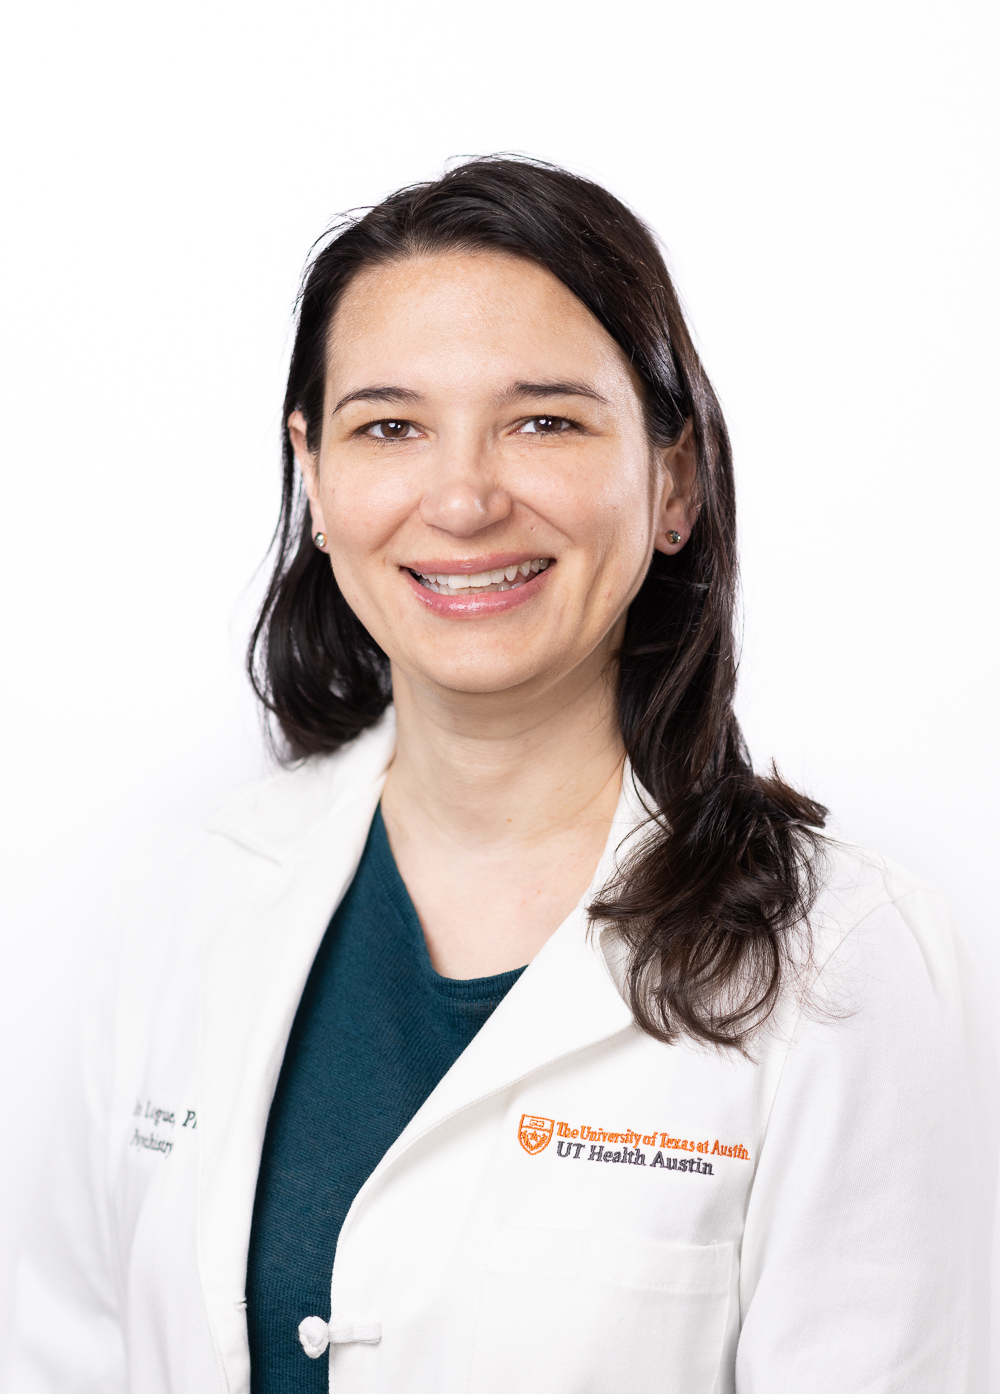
{"x":392,"y":430}
{"x":545,"y":426}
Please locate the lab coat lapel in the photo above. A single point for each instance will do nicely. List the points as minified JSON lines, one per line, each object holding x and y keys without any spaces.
{"x":254,"y":975}
{"x":569,"y":997}
{"x":565,"y":1000}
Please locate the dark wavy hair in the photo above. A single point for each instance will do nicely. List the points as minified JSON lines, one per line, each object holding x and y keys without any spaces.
{"x":709,"y":902}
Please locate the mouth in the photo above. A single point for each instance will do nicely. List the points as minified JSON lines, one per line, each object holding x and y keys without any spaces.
{"x":463,"y":584}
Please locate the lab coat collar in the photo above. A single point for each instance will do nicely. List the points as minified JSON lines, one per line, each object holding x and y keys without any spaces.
{"x":274,"y":817}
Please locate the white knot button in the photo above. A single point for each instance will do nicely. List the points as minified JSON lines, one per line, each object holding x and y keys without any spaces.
{"x":315,"y":1334}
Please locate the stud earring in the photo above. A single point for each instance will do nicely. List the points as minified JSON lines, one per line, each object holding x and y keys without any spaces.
{"x":673,"y":537}
{"x":320,"y":540}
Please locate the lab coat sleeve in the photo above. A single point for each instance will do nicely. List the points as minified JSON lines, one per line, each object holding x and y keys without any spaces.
{"x":66,"y":1336}
{"x":866,"y":1250}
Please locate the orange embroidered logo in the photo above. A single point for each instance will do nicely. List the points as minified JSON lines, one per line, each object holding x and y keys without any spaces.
{"x":535,"y":1134}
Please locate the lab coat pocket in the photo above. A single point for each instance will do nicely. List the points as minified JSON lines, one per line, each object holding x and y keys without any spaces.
{"x":586,"y":1312}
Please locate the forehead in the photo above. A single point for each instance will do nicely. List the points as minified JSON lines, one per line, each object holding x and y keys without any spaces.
{"x":468,"y":317}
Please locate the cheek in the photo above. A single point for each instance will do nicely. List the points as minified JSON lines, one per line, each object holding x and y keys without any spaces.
{"x":611,"y":508}
{"x":363,"y":509}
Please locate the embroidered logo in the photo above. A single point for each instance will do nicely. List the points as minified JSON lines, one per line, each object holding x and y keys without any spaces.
{"x":535,"y":1134}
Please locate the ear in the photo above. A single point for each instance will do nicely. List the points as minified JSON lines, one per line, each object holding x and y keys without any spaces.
{"x":677,"y":509}
{"x":309,"y":465}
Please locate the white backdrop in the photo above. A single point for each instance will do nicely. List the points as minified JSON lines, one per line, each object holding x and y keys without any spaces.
{"x":822,"y":177}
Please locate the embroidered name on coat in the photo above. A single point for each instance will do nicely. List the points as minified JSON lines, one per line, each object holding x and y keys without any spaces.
{"x":159,"y":1118}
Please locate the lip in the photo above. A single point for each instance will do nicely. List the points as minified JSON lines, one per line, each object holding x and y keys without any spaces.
{"x":462,"y":606}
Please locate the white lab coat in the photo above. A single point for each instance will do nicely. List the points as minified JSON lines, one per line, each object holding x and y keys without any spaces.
{"x":576,"y":1208}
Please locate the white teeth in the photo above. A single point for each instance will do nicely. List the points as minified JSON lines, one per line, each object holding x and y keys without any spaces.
{"x":500,"y":579}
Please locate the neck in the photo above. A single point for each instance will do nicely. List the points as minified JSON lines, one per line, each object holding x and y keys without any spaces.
{"x":497,"y":769}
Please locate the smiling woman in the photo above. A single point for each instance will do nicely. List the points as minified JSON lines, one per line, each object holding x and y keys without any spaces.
{"x":516,"y":905}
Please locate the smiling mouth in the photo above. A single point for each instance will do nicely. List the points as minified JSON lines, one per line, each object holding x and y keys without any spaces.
{"x":507,"y":578}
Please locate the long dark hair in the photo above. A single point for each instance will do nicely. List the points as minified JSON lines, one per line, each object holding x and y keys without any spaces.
{"x":708,"y":902}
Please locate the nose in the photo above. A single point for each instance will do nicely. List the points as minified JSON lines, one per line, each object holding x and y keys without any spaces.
{"x":464,"y":500}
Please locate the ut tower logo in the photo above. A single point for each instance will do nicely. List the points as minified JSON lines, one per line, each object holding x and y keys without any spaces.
{"x":535,"y":1134}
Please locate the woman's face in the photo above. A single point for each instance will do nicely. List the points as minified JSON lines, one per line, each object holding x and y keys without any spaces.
{"x":488,"y":493}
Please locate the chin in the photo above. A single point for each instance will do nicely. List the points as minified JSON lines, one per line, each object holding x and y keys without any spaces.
{"x":479,"y":679}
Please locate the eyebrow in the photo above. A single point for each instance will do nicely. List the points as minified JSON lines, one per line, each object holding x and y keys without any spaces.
{"x":381,"y":392}
{"x":517,"y":392}
{"x":521,"y":390}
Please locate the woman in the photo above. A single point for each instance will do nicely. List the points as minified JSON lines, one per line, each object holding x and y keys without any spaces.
{"x":516,"y":1034}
